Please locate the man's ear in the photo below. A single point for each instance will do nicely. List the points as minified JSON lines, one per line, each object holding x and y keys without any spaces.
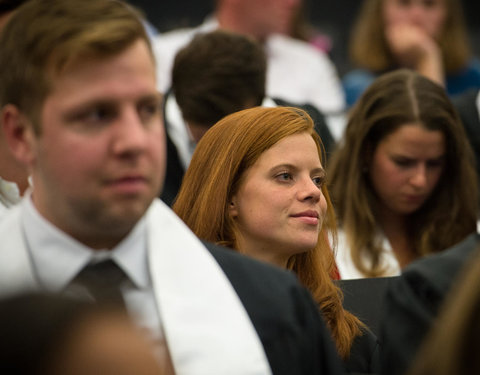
{"x":19,"y":134}
{"x":232,"y":207}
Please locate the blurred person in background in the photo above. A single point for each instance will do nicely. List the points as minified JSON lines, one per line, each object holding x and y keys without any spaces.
{"x":403,"y":181}
{"x":428,"y":36}
{"x":48,"y":334}
{"x":296,"y":71}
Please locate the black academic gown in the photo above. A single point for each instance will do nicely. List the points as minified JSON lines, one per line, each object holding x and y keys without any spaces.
{"x":412,"y":303}
{"x":287,"y":320}
{"x":466,"y":105}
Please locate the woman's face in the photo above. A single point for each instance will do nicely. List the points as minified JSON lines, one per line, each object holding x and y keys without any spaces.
{"x":428,"y":15}
{"x":267,"y":17}
{"x":279,"y":207}
{"x":406,"y":167}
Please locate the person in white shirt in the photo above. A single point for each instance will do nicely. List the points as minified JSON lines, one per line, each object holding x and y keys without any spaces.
{"x":296,"y":71}
{"x":90,"y":130}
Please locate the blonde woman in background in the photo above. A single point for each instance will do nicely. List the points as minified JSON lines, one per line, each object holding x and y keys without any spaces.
{"x":428,"y":36}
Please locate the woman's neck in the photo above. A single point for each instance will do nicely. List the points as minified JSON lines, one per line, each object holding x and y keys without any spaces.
{"x":260,"y":252}
{"x":395,"y":229}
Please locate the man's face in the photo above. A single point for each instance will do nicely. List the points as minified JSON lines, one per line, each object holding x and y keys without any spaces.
{"x":270,"y":16}
{"x":100,"y":158}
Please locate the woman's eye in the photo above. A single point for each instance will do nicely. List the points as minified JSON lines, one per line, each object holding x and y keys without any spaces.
{"x":319,"y":181}
{"x":284,"y":176}
{"x":403,"y":162}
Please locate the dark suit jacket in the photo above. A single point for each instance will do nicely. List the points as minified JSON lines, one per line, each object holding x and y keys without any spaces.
{"x":174,"y":173}
{"x":412,"y":303}
{"x":467,"y":109}
{"x":295,"y":337}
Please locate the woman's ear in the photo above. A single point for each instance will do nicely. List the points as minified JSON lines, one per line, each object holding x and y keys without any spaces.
{"x":232,"y":207}
{"x":19,"y":134}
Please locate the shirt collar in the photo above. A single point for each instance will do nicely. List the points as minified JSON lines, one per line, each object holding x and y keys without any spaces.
{"x":57,"y":257}
{"x":9,"y":193}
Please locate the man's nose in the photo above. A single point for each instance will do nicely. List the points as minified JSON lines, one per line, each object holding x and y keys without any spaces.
{"x":130,"y":133}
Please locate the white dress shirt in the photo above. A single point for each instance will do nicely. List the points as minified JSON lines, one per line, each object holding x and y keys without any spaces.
{"x":57,"y":258}
{"x":9,"y":195}
{"x":202,"y":318}
{"x":347,"y":268}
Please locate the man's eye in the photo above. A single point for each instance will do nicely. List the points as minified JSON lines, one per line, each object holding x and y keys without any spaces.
{"x":97,"y":115}
{"x":149,"y":110}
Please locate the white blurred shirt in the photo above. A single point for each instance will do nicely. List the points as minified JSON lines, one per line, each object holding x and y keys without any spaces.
{"x":9,"y":195}
{"x":297,"y":72}
{"x":347,"y":268}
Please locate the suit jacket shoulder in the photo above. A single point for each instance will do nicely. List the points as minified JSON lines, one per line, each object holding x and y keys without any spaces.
{"x":437,"y":272}
{"x":466,"y":105}
{"x":284,"y":314}
{"x":413,"y":300}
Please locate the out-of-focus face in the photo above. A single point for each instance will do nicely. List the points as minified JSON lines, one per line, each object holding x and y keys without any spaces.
{"x":406,"y":167}
{"x":107,"y":344}
{"x":269,"y":16}
{"x":279,"y":207}
{"x":428,"y":15}
{"x":100,"y":159}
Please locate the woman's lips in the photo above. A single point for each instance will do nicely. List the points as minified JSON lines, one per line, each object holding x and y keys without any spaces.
{"x":308,"y":217}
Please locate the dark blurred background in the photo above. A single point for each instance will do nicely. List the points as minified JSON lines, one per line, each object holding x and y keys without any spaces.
{"x":333,"y":18}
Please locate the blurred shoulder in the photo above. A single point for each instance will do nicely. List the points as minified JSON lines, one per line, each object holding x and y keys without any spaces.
{"x":279,"y":44}
{"x":438,"y":271}
{"x":355,"y":83}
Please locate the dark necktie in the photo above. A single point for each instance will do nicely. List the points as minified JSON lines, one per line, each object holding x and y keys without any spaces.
{"x":102,"y":282}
